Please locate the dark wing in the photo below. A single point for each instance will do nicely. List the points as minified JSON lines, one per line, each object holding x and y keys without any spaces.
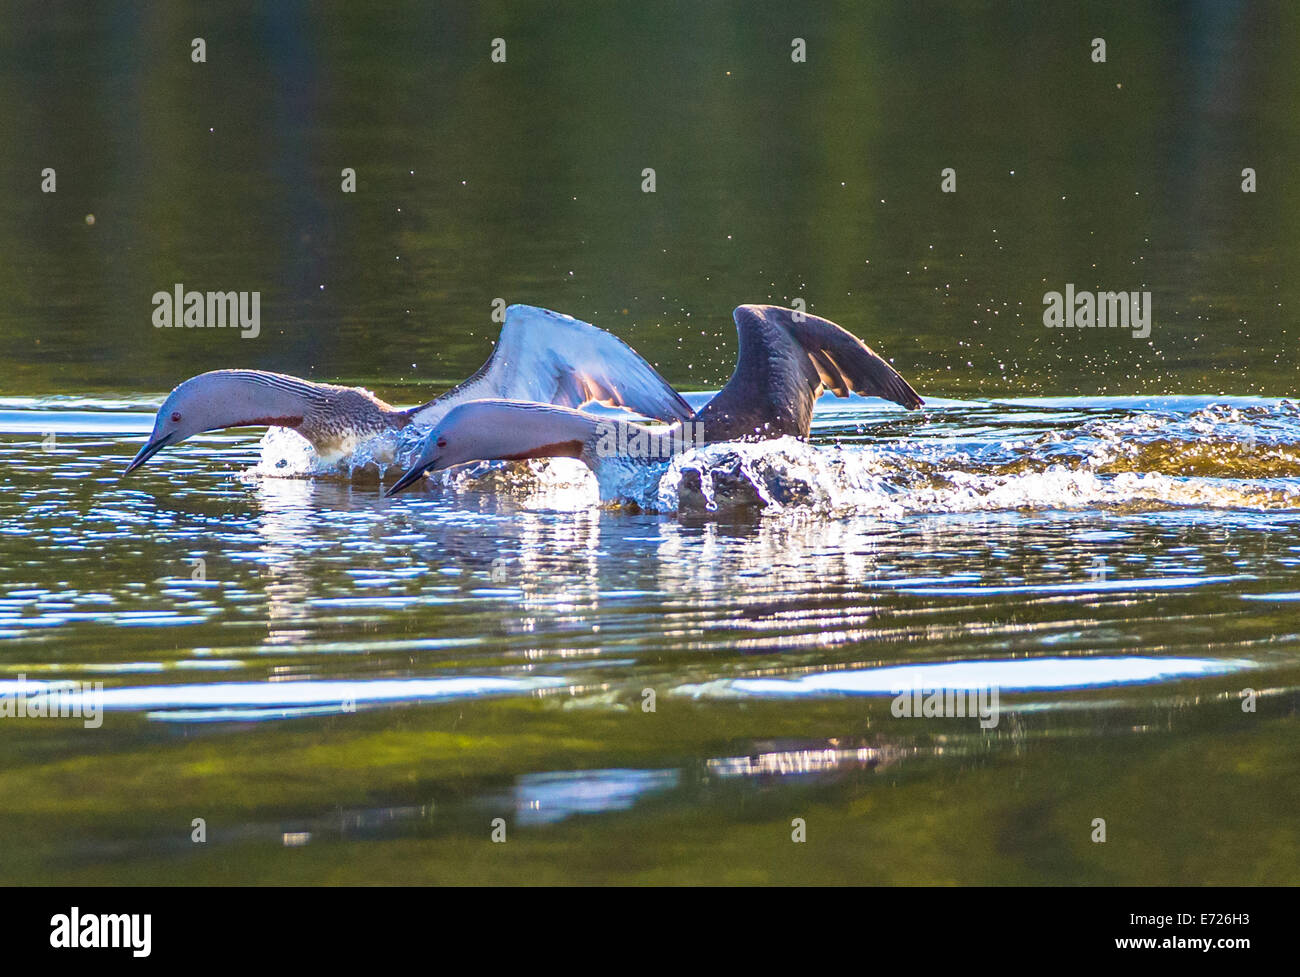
{"x":549,"y":358}
{"x":786,"y":360}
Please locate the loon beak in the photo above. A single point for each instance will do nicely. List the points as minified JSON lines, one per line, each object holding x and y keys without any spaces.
{"x":148,"y":451}
{"x":413,"y":474}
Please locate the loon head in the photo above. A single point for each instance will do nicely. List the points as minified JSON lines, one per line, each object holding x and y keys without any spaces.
{"x":499,"y":430}
{"x":222,"y":399}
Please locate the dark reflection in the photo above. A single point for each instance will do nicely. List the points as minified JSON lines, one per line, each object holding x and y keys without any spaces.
{"x":228,"y":174}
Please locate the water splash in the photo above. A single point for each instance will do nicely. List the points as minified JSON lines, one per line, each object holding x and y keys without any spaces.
{"x":781,"y":474}
{"x":1216,"y":456}
{"x":287,"y":454}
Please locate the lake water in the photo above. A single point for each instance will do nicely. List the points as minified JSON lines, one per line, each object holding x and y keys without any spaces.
{"x":343,"y":688}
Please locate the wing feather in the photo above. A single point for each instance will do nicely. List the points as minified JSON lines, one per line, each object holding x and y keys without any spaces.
{"x":786,"y":360}
{"x":551,"y":358}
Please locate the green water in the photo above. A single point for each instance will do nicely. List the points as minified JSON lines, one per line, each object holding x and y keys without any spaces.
{"x":1069,"y":497}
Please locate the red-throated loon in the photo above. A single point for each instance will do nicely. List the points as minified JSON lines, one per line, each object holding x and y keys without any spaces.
{"x":786,"y":360}
{"x":542,"y":356}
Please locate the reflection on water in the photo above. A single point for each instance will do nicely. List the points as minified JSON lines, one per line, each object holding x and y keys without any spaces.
{"x":1008,"y":676}
{"x":284,"y":524}
{"x":809,"y":760}
{"x":501,"y":646}
{"x":550,"y":797}
{"x":285,"y":699}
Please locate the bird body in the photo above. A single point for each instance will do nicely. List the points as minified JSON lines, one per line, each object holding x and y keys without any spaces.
{"x":541,"y":356}
{"x":514,"y":430}
{"x":786,"y":359}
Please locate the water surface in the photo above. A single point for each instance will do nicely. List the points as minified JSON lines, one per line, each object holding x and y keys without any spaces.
{"x":396,"y":674}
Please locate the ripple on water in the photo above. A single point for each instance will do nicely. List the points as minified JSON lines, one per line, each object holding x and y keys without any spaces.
{"x":977,"y":530}
{"x":245,"y":701}
{"x":1014,"y":675}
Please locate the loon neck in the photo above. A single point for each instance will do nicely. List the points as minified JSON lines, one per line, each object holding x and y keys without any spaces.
{"x":325,"y":414}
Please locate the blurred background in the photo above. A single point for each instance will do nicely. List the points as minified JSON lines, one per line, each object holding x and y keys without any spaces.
{"x":775,"y":179}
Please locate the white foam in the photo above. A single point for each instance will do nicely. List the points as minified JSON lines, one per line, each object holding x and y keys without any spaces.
{"x":1215,"y":456}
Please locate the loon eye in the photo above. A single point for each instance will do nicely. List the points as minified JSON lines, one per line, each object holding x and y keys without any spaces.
{"x":176,"y":417}
{"x":442,"y":442}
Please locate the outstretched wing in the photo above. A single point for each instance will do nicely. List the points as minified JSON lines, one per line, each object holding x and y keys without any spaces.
{"x":550,"y":358}
{"x":786,"y":360}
